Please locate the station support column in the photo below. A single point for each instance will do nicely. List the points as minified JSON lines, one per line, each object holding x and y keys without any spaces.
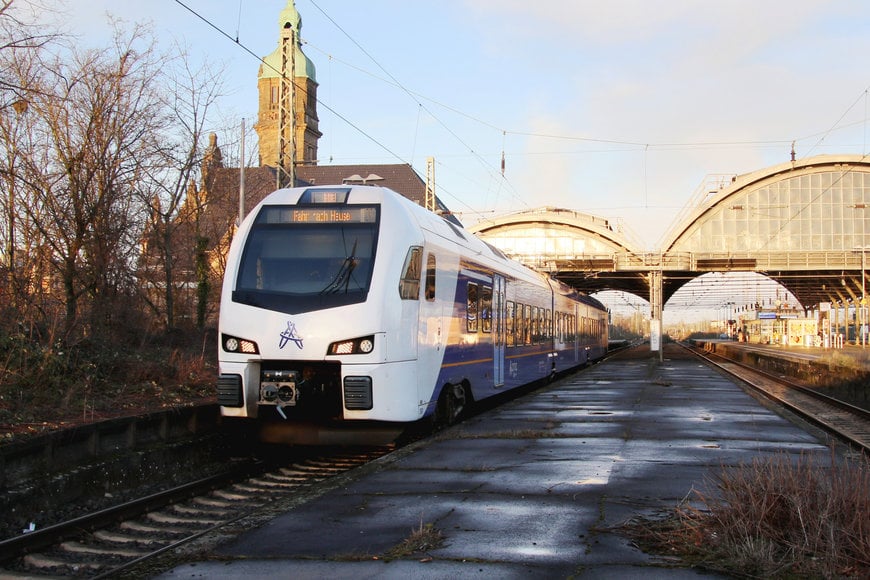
{"x":655,"y":322}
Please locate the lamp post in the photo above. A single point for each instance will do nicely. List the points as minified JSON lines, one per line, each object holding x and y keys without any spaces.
{"x":728,"y":317}
{"x":863,"y":296}
{"x":859,"y":314}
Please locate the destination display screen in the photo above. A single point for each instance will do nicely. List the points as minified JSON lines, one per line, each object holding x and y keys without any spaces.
{"x":360,"y":214}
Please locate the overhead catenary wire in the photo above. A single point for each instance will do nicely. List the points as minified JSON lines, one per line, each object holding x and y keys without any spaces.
{"x":644,"y":144}
{"x":245,"y":48}
{"x":837,"y":123}
{"x":633,"y":144}
{"x":412,"y":95}
{"x":418,"y":97}
{"x":493,"y":168}
{"x":266,"y":64}
{"x":239,"y":21}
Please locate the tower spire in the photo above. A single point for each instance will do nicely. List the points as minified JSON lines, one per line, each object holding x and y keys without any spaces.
{"x":287,"y":120}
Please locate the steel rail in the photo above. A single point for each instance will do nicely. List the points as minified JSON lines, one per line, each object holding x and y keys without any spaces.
{"x":848,"y":422}
{"x":251,"y":475}
{"x":50,"y":535}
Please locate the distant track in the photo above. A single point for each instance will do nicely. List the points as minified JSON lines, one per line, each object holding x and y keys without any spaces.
{"x":847,"y":422}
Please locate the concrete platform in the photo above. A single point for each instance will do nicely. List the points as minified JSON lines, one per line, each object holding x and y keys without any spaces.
{"x":529,"y":489}
{"x":857,"y":357}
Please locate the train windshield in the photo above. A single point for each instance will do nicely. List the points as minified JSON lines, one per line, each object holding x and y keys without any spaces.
{"x":297,"y":260}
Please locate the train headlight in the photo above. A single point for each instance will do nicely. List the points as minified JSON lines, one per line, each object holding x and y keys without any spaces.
{"x":345,"y":347}
{"x":234,"y":344}
{"x":249,"y":347}
{"x":363,"y":345}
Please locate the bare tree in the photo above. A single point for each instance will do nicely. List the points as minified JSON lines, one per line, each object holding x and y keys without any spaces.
{"x":169,"y":187}
{"x":100,"y":164}
{"x":230,"y":136}
{"x":99,"y":115}
{"x":18,"y":32}
{"x":22,"y":44}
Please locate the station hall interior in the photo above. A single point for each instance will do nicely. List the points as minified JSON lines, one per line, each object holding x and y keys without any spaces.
{"x":783,"y":243}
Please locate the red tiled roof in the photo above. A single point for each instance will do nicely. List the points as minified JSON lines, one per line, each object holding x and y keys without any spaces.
{"x":223,"y":183}
{"x":401,"y":178}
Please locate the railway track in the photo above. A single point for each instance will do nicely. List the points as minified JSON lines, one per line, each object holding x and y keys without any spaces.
{"x":121,"y":541}
{"x":847,"y":422}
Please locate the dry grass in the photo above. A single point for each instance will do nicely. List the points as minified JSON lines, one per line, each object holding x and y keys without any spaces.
{"x":855,"y":360}
{"x":44,"y":387}
{"x":422,"y":539}
{"x":774,"y":517}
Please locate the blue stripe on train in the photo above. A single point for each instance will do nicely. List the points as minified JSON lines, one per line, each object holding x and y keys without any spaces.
{"x":472,"y":361}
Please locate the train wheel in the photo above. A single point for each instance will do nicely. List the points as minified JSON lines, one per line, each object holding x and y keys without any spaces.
{"x":451,"y":404}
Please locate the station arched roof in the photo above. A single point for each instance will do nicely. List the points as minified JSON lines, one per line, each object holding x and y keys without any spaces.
{"x":802,"y":223}
{"x":787,"y":207}
{"x":536,"y":234}
{"x":799,"y":222}
{"x":578,"y":248}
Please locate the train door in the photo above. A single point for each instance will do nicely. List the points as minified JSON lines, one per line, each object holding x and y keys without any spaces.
{"x":498,"y":337}
{"x":431,"y":333}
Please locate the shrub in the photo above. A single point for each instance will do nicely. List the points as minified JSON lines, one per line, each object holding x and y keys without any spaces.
{"x":773,"y":517}
{"x":45,"y":385}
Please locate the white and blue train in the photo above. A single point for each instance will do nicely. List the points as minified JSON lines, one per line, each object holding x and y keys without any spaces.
{"x":352,"y":303}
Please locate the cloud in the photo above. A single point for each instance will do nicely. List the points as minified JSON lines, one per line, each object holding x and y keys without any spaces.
{"x":631,"y":22}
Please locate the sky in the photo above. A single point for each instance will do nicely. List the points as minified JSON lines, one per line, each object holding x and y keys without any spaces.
{"x":623,"y":109}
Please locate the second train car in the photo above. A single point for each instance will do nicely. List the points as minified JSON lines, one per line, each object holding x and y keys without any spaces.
{"x":349,"y":304}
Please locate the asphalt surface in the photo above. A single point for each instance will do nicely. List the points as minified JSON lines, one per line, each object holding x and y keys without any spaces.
{"x":536,"y":488}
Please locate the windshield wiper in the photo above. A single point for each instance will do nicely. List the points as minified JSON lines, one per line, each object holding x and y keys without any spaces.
{"x":342,"y":277}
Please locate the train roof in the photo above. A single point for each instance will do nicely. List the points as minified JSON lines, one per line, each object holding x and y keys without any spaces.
{"x":449,"y":230}
{"x":446,"y":228}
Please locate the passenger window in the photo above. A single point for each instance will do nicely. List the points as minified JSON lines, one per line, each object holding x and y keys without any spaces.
{"x":527,"y":331}
{"x":548,"y":323}
{"x":486,"y":308}
{"x":536,"y":326}
{"x":430,"y":278}
{"x":509,"y":319}
{"x":521,"y":324}
{"x":471,"y":307}
{"x":409,"y":285}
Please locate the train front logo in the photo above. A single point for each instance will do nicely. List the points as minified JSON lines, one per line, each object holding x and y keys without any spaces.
{"x":289,"y":334}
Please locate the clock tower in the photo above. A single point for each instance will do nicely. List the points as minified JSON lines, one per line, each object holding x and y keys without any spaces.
{"x":287,"y":120}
